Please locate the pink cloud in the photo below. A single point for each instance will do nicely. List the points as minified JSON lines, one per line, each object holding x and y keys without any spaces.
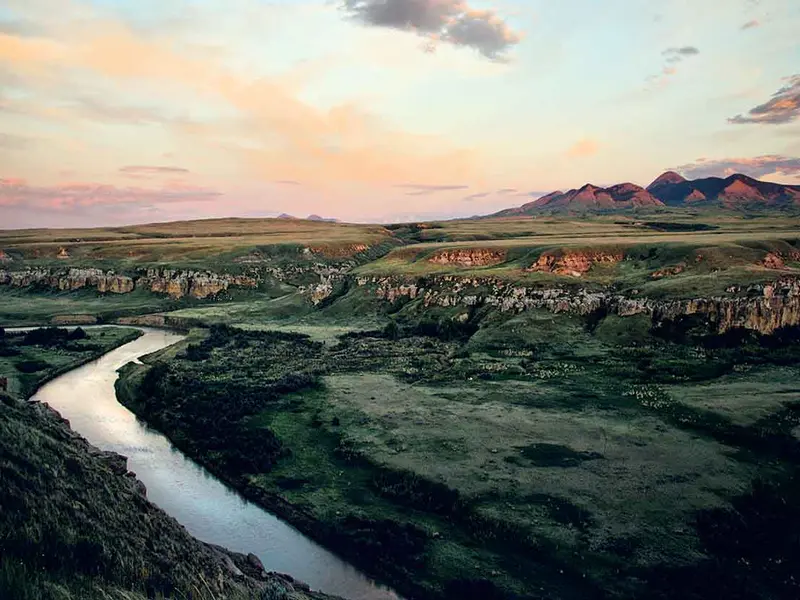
{"x":18,"y":193}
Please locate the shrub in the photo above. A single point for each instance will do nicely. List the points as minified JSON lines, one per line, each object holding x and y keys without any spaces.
{"x":32,"y":366}
{"x":77,"y":334}
{"x":45,"y":336}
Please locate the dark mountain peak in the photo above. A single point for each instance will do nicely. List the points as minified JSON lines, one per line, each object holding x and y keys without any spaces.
{"x":744,"y":179}
{"x":286,"y":216}
{"x":668,"y":178}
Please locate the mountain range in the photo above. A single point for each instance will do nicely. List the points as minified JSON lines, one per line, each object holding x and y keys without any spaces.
{"x":737,"y":192}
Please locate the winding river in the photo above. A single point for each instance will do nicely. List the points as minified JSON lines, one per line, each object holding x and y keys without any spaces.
{"x":207,"y":508}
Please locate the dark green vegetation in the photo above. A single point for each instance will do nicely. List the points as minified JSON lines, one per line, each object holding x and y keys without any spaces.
{"x":27,"y":360}
{"x":524,"y":456}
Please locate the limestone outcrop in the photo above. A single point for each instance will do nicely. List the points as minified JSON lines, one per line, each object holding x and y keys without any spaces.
{"x":468,"y":257}
{"x":175,"y":283}
{"x":573,"y":263}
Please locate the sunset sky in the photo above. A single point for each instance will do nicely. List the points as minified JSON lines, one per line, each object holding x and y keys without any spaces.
{"x":130,"y":111}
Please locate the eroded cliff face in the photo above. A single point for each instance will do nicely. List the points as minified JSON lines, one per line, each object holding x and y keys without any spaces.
{"x":762,"y":308}
{"x":68,"y":280}
{"x":469,"y":257}
{"x":317,"y":281}
{"x":574,"y":263}
{"x":197,"y":284}
{"x":175,"y":283}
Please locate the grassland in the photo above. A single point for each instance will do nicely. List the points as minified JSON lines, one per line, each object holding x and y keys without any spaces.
{"x":665,"y":255}
{"x":207,"y":242}
{"x":707,"y":261}
{"x":536,"y":456}
{"x":27,"y":360}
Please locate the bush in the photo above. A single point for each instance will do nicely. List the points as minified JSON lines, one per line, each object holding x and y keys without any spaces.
{"x":409,"y":489}
{"x":45,"y":336}
{"x":32,"y":366}
{"x":77,"y":334}
{"x":391,"y":331}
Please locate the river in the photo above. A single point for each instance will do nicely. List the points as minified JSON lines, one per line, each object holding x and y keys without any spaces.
{"x":208,"y":509}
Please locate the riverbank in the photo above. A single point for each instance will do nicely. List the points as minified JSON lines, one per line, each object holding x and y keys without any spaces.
{"x":535,"y":457}
{"x":29,"y":361}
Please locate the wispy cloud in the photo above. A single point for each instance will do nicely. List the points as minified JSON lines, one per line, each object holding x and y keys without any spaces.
{"x":68,"y":196}
{"x":759,"y":166}
{"x":447,"y":21}
{"x":153,"y":170}
{"x":674,"y":55}
{"x":751,"y":25}
{"x":416,"y":189}
{"x":101,"y":110}
{"x":477,"y":196}
{"x":287,"y":182}
{"x":783,"y":107}
{"x":534,"y":194}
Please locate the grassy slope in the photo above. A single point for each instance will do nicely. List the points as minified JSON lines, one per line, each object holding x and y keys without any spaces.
{"x":541,"y":455}
{"x":202,"y":243}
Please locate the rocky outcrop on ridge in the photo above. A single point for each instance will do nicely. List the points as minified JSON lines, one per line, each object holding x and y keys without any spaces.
{"x":574,"y":263}
{"x":174,"y":283}
{"x":468,"y":257}
{"x":762,"y":308}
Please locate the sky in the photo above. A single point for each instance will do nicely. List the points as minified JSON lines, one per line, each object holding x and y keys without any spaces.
{"x":129,"y":111}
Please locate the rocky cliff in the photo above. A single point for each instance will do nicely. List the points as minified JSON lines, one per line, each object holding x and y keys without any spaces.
{"x":574,"y":263}
{"x":315,"y":279}
{"x":762,"y":308}
{"x":175,"y":283}
{"x":469,"y":257}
